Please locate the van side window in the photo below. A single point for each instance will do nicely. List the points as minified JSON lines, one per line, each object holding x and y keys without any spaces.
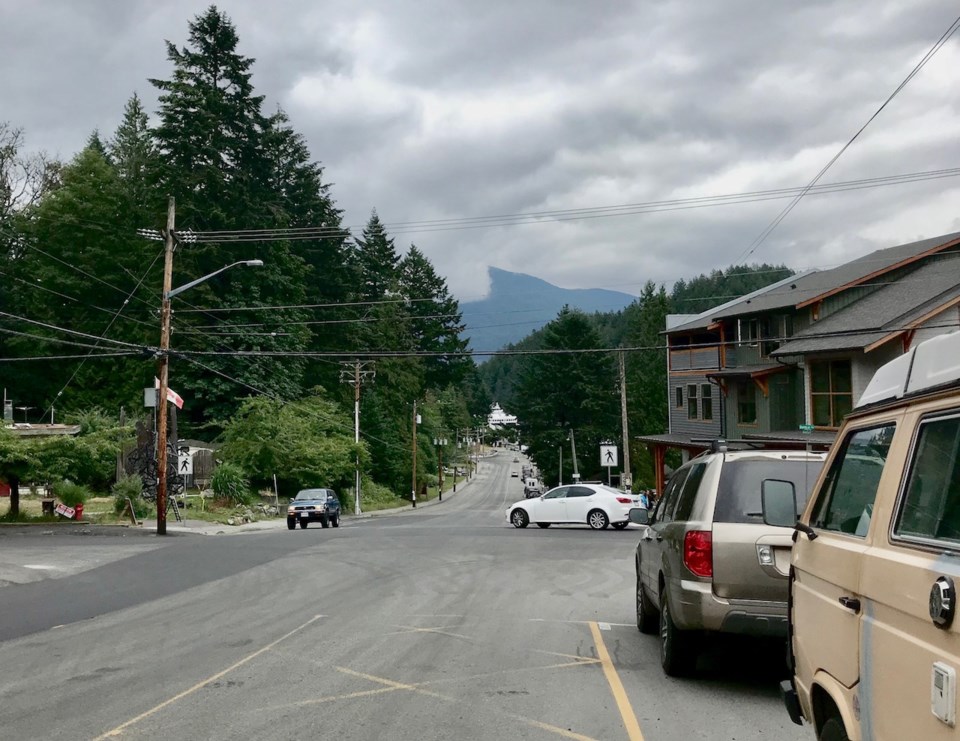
{"x":931,"y":505}
{"x":688,"y":495}
{"x":845,"y":504}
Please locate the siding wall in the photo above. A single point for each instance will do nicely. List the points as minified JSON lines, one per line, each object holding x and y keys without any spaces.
{"x":679,"y":423}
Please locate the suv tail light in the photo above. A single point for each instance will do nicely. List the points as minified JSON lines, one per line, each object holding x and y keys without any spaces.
{"x":698,"y":552}
{"x":624,"y":500}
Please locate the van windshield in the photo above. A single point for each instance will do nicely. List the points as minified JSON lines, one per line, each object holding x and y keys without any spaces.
{"x":738,"y":493}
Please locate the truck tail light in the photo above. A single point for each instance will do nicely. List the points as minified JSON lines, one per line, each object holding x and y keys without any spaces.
{"x":698,"y":552}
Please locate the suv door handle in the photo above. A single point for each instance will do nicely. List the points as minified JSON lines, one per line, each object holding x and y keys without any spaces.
{"x":659,"y":538}
{"x":851,"y":603}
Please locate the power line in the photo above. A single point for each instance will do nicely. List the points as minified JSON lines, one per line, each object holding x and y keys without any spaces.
{"x":484,"y":222}
{"x":68,"y":357}
{"x":55,"y":328}
{"x":761,"y":238}
{"x":385,"y":354}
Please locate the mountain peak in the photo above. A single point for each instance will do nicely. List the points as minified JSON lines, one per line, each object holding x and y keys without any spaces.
{"x":519,"y":304}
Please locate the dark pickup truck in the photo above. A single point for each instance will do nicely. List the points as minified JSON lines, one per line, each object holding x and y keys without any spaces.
{"x":314,"y":505}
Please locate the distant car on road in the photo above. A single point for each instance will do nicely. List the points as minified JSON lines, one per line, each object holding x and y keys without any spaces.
{"x":314,"y":505}
{"x":514,"y":474}
{"x":596,"y":505}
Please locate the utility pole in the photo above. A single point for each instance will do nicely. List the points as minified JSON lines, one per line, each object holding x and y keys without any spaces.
{"x":573,"y":450}
{"x":560,"y":480}
{"x":626,"y":480}
{"x":164,"y":370}
{"x":414,"y":488}
{"x":356,"y":373}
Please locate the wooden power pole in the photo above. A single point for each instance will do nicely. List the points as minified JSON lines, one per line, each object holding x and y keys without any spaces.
{"x":627,"y":479}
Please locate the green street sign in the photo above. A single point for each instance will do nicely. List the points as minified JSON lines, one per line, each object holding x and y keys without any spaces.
{"x":806,"y":429}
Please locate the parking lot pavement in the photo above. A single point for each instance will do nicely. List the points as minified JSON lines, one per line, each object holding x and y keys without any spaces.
{"x":31,"y":554}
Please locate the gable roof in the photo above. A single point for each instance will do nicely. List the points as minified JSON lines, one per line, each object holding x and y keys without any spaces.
{"x":815,"y":285}
{"x":884,"y":313}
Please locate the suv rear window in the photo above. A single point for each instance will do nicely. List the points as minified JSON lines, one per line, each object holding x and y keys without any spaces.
{"x":738,"y":493}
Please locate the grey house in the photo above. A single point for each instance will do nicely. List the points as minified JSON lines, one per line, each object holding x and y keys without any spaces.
{"x":801,"y":351}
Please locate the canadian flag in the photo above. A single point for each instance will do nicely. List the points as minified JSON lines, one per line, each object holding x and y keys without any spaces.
{"x":172,"y":396}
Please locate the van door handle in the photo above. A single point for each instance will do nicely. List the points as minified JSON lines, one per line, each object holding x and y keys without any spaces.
{"x":851,"y":603}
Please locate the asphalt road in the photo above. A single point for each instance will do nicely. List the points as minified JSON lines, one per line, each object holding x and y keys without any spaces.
{"x":441,"y":623}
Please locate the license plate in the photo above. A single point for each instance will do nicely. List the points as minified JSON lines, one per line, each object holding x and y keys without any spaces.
{"x":304,"y":514}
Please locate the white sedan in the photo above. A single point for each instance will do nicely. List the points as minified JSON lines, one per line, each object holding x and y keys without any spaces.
{"x":594,"y":504}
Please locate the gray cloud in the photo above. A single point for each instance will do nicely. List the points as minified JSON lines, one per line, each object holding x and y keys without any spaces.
{"x":451,"y":109}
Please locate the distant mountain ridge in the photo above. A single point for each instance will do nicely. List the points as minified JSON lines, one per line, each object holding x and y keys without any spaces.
{"x":519,"y":304}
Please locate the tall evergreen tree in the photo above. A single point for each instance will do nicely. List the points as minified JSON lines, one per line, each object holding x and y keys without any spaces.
{"x":435,"y":320}
{"x":559,"y":393}
{"x":212,"y":140}
{"x":134,"y":155}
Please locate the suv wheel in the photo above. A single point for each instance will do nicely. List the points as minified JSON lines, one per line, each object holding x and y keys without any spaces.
{"x":324,"y":522}
{"x":646,"y":615}
{"x":678,"y":655}
{"x":336,"y":521}
{"x":598,"y":520}
{"x":303,"y":524}
{"x":291,"y":523}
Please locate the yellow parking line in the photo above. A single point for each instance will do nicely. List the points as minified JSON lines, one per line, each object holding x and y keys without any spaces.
{"x":199,"y":685}
{"x":616,"y":686}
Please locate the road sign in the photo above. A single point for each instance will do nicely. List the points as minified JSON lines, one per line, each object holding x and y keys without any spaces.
{"x":806,"y":429}
{"x":185,"y":464}
{"x":608,"y":456}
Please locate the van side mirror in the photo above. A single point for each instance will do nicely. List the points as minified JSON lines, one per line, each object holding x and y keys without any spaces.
{"x":779,"y":502}
{"x":640,"y":516}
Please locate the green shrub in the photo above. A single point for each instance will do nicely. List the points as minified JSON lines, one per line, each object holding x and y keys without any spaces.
{"x":229,"y":482}
{"x":71,"y":494}
{"x":130,"y":487}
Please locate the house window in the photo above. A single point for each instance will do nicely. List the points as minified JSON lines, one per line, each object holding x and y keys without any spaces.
{"x":691,"y":401}
{"x":706,"y":402}
{"x":679,"y":397}
{"x":746,"y":403}
{"x":831,"y":392}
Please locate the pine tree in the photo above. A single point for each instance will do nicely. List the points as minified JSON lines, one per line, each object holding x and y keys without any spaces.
{"x":435,"y":321}
{"x":560,"y":392}
{"x":134,"y":155}
{"x":211,"y":128}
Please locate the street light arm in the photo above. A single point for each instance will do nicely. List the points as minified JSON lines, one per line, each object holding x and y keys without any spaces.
{"x":249,"y":263}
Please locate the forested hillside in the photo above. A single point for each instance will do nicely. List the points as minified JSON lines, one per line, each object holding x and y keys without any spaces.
{"x":80,"y":288}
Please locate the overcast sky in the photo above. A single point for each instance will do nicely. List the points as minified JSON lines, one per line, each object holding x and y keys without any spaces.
{"x":446,"y":109}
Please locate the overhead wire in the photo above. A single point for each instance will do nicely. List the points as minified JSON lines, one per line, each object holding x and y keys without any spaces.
{"x":560,"y":215}
{"x":768,"y":230}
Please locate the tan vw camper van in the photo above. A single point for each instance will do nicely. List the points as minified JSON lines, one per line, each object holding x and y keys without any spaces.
{"x":874,"y":640}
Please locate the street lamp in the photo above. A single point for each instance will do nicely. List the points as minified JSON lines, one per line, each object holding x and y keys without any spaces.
{"x":164,"y":369}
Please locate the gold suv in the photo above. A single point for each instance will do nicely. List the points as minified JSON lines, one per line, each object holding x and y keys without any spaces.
{"x":875,"y":648}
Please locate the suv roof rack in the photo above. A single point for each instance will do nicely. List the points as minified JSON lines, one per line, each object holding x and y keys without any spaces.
{"x":932,"y":364}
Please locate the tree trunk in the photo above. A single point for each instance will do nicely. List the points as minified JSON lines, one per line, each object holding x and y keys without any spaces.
{"x":14,"y":482}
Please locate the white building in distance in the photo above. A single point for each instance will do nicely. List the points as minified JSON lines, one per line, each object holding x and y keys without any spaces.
{"x":498,"y":419}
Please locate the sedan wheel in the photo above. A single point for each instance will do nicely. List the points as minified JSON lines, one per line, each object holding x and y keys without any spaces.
{"x":598,"y":520}
{"x":519,"y":518}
